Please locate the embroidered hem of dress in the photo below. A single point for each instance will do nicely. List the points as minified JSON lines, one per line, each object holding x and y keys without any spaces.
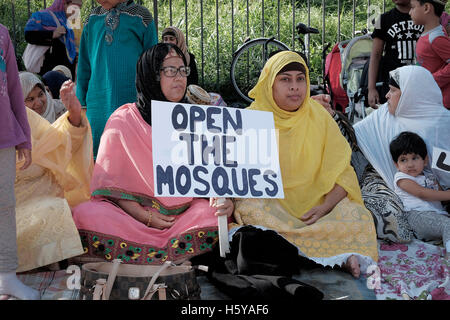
{"x":185,"y":245}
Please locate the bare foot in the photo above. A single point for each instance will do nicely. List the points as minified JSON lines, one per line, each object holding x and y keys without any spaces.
{"x":4,"y":296}
{"x":352,"y":266}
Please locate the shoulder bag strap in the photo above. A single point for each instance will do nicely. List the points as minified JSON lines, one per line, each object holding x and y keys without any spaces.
{"x":111,"y":278}
{"x":166,"y":265}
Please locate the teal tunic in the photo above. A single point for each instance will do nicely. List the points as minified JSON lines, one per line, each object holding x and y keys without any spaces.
{"x":108,"y":56}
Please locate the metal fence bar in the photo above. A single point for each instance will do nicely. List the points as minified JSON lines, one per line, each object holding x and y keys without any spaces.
{"x":201,"y":43}
{"x":248,"y":33}
{"x":170,"y":13}
{"x":354,"y":18}
{"x":29,"y":8}
{"x":308,"y":42}
{"x":232,"y":26}
{"x":248,"y":20}
{"x":324,"y":9}
{"x":293,"y":24}
{"x":339,"y":22}
{"x":13,"y":12}
{"x":278,"y":20}
{"x":186,"y":22}
{"x":155,"y":14}
{"x":262,"y":17}
{"x":217,"y":46}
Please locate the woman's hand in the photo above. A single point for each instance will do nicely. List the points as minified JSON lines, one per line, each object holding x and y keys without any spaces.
{"x":324,"y":100}
{"x":24,"y":154}
{"x":161,"y":221}
{"x":71,"y":102}
{"x":225,"y":207}
{"x":332,"y":198}
{"x":58,"y":32}
{"x":373,"y":98}
{"x":314,"y":214}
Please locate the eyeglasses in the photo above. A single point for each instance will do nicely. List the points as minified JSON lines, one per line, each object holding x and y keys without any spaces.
{"x":172,"y":71}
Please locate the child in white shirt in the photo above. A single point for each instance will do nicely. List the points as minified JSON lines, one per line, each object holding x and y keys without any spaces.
{"x":419,"y":190}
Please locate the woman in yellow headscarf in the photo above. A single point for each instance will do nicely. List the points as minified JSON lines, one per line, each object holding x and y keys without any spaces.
{"x":322,"y":212}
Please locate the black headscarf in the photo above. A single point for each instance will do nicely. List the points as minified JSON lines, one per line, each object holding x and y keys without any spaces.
{"x":148,"y":84}
{"x":54,"y":81}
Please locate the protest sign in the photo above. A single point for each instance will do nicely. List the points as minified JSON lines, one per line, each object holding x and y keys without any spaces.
{"x":210,"y":151}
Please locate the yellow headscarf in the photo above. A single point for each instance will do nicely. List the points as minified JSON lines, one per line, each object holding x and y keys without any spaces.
{"x":314,"y":156}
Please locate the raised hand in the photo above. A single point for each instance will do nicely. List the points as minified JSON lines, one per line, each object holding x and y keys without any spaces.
{"x":71,"y":102}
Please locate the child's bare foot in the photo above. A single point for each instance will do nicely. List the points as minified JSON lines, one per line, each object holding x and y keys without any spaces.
{"x":352,"y":266}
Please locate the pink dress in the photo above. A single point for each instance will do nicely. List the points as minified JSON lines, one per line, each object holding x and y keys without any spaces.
{"x":124,"y":170}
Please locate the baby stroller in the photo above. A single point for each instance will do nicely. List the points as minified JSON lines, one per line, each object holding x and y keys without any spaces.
{"x":355,"y":53}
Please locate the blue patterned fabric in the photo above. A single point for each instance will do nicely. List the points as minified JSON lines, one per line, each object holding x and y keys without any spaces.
{"x":44,"y":21}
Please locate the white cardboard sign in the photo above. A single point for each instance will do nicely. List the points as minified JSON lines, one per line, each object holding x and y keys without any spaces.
{"x":441,"y":159}
{"x":209,"y":151}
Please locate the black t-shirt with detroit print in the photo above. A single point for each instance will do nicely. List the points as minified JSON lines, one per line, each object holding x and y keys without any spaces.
{"x":400,"y":36}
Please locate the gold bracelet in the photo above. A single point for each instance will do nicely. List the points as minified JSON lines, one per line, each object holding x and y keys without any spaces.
{"x":150,"y":214}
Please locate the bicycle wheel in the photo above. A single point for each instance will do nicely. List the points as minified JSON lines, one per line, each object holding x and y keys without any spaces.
{"x":248,"y":62}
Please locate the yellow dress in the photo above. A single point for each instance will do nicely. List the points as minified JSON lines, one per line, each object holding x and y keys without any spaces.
{"x":314,"y":157}
{"x":57,"y":179}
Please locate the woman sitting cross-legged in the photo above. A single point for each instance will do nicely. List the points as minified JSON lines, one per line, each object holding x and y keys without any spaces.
{"x":124,"y":220}
{"x":322,"y":212}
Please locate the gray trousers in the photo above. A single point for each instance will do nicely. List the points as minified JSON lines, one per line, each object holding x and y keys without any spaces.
{"x":8,"y":242}
{"x":429,"y":225}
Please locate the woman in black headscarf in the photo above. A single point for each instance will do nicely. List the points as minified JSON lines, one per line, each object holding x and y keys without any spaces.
{"x":124,"y":220}
{"x":150,"y":78}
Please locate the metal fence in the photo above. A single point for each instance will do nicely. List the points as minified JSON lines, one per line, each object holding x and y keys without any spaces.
{"x":222,"y":61}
